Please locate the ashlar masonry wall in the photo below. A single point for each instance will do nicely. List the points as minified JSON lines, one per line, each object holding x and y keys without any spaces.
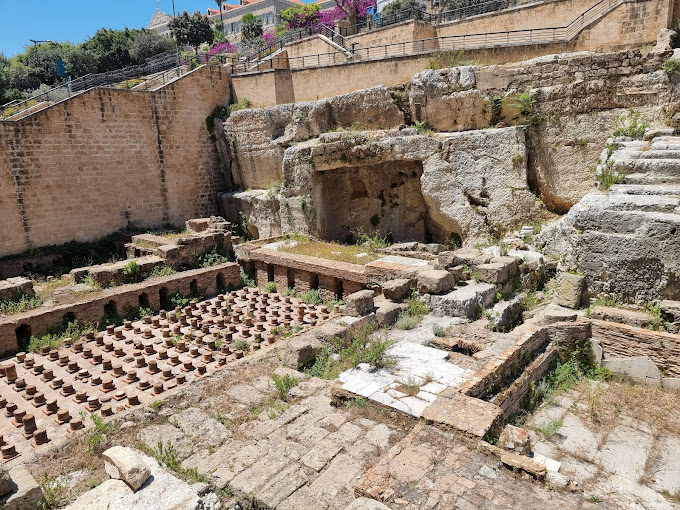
{"x":92,"y":164}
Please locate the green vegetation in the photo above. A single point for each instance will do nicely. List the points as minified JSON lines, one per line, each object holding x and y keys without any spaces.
{"x":19,"y":303}
{"x":549,"y":427}
{"x":345,"y":353}
{"x":283,"y":385}
{"x":608,"y":177}
{"x":167,"y":455}
{"x":54,"y":493}
{"x":311,"y":297}
{"x":162,"y":270}
{"x":406,"y":322}
{"x":415,"y":309}
{"x":241,"y":345}
{"x":423,"y":128}
{"x":270,"y":287}
{"x":356,"y":403}
{"x":631,"y":124}
{"x":251,"y":27}
{"x":658,"y":323}
{"x":286,"y":331}
{"x":247,"y":280}
{"x":192,"y":30}
{"x":334,"y":251}
{"x":397,"y":6}
{"x":96,"y":437}
{"x":219,"y":112}
{"x":495,"y":107}
{"x":439,"y":330}
{"x":671,"y":66}
{"x":525,"y":103}
{"x":214,"y":258}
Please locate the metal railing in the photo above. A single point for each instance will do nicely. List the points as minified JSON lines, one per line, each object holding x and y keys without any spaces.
{"x":158,"y":64}
{"x":446,"y":43}
{"x":293,"y":36}
{"x":369,"y":23}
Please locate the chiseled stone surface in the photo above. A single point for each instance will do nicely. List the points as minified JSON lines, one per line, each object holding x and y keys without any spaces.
{"x":26,"y":493}
{"x":126,"y":464}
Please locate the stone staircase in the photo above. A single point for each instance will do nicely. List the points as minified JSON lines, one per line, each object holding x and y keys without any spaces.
{"x":627,"y":239}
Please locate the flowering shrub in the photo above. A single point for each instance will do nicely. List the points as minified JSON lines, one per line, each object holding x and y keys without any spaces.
{"x":224,"y":47}
{"x":270,"y":39}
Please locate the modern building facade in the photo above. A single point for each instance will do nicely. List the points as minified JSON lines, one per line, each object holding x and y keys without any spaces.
{"x":267,"y":10}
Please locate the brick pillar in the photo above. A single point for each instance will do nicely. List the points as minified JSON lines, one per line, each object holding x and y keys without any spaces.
{"x":304,"y":280}
{"x":327,"y":287}
{"x":349,"y":287}
{"x":281,"y":278}
{"x":261,"y":275}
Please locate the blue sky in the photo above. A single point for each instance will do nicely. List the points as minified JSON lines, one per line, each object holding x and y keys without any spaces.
{"x":75,"y":20}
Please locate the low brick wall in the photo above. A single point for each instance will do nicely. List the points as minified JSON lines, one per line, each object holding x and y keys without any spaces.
{"x":37,"y":322}
{"x":330,"y":277}
{"x":623,"y":341}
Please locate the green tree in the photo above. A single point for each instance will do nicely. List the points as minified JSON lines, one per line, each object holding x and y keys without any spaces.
{"x":452,"y":5}
{"x":147,"y":43}
{"x":112,"y":48}
{"x":7,"y":92}
{"x":251,"y":27}
{"x":193,"y":30}
{"x":397,"y":6}
{"x":301,"y":15}
{"x":80,"y":62}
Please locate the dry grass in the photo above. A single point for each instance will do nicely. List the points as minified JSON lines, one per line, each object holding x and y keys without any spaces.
{"x":608,"y":402}
{"x":331,"y":251}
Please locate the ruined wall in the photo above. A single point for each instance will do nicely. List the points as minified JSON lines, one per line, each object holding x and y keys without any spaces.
{"x":90,"y":165}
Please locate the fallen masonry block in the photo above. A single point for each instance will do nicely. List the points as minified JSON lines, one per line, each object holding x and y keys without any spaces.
{"x":468,"y":301}
{"x":387,"y":313}
{"x":26,"y":492}
{"x":126,"y":464}
{"x":471,"y":416}
{"x":396,"y":290}
{"x":506,"y":313}
{"x":359,"y":303}
{"x":571,"y":290}
{"x":5,"y":481}
{"x":197,"y":224}
{"x":435,"y":281}
{"x":637,"y":318}
{"x":12,"y":287}
{"x":551,"y":316}
{"x":515,"y":439}
{"x":497,"y":272}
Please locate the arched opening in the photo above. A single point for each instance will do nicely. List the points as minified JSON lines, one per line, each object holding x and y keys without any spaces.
{"x":315,"y":282}
{"x":164,"y":298}
{"x":219,"y":283}
{"x":144,"y":300}
{"x":23,"y":333}
{"x":338,"y":289}
{"x":110,"y":310}
{"x":68,"y":318}
{"x":193,"y":288}
{"x":270,"y":272}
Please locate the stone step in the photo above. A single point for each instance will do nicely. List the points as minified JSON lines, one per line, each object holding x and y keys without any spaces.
{"x":665,"y":166}
{"x":642,"y":189}
{"x":645,"y":178}
{"x":648,"y":203}
{"x":660,"y":154}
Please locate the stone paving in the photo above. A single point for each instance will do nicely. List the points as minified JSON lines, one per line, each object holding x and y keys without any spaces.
{"x":43,"y":396}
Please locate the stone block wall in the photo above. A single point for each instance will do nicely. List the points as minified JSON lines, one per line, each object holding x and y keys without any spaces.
{"x":91,"y":165}
{"x":36,"y":322}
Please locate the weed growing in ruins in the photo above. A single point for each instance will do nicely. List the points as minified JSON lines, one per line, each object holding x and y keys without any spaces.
{"x":608,"y":177}
{"x":20,"y":303}
{"x":162,"y":270}
{"x":290,"y":291}
{"x":283,"y":384}
{"x":358,"y":403}
{"x":36,"y":344}
{"x":54,"y":493}
{"x":167,"y":455}
{"x":525,"y":103}
{"x":605,"y":301}
{"x":439,"y":330}
{"x":671,"y":66}
{"x":270,"y":287}
{"x":213,"y":258}
{"x":247,"y":280}
{"x":96,"y":438}
{"x":658,"y":323}
{"x":415,"y":306}
{"x":220,"y":112}
{"x":549,"y":427}
{"x":272,"y":191}
{"x":423,"y":128}
{"x":241,"y":105}
{"x":406,"y":321}
{"x":241,"y":345}
{"x":178,"y":300}
{"x":452,"y":58}
{"x":156,"y":405}
{"x":631,"y":124}
{"x":495,"y":106}
{"x":311,"y":297}
{"x":517,"y":160}
{"x":286,"y":331}
{"x":410,"y":387}
{"x":345,"y":353}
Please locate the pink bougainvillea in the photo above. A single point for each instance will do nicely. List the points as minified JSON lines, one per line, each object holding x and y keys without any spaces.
{"x":224,"y":47}
{"x":270,"y":39}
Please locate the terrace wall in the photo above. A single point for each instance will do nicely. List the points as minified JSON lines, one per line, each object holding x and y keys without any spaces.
{"x":91,"y":165}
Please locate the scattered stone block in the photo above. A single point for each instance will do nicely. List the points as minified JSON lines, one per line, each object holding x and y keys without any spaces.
{"x":197,"y":224}
{"x":637,"y":318}
{"x":468,"y":301}
{"x":495,"y":272}
{"x":301,"y":349}
{"x":26,"y":491}
{"x":506,"y":313}
{"x":396,"y":290}
{"x":515,"y":439}
{"x":5,"y":481}
{"x":552,"y":316}
{"x":359,"y":303}
{"x":435,"y":281}
{"x":571,"y":290}
{"x":126,"y":464}
{"x":387,"y":313}
{"x":12,"y":287}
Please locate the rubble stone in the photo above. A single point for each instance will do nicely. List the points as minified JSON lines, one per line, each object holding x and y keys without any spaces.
{"x":435,"y":281}
{"x":126,"y":464}
{"x":396,"y":290}
{"x":359,"y":303}
{"x":572,"y":287}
